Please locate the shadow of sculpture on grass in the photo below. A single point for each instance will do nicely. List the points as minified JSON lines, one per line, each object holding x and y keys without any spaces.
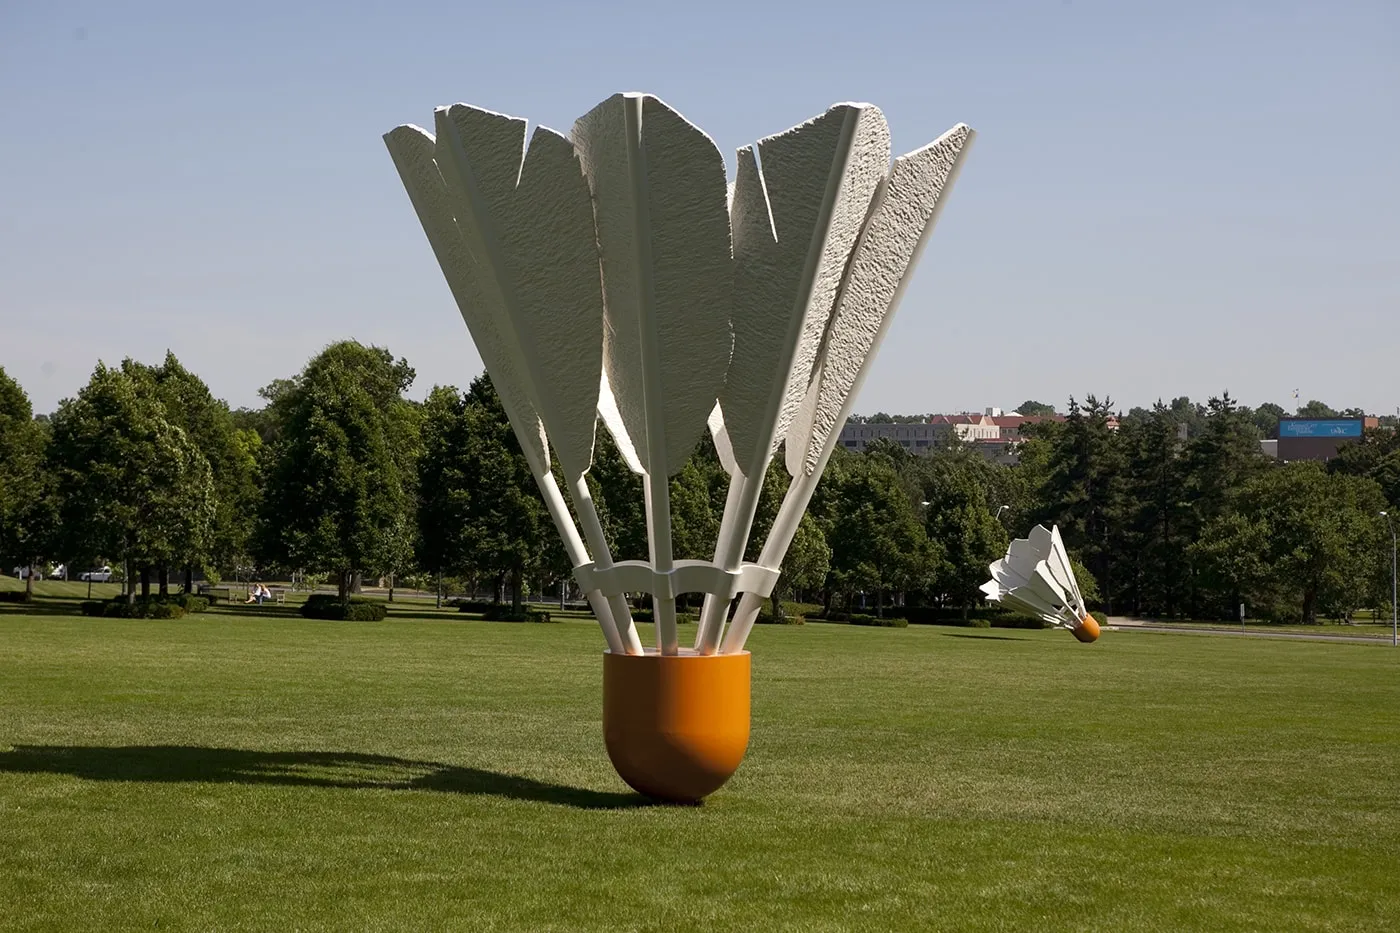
{"x":345,"y":770}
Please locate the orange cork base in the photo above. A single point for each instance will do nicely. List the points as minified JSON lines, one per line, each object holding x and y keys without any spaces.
{"x":1087,"y":630}
{"x":676,"y":727}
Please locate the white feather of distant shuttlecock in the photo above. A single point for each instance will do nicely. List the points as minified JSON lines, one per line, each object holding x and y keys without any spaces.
{"x":1036,"y":575}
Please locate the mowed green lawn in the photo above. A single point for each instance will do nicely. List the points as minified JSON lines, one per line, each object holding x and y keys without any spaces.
{"x":260,"y":772}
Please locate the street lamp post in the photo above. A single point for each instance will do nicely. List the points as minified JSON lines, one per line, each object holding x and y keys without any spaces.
{"x":1394,"y":624}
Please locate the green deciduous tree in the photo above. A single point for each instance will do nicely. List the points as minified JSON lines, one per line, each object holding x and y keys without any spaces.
{"x":340,"y":481}
{"x":27,"y":519}
{"x":1299,"y":542}
{"x":134,"y":486}
{"x":876,"y":537}
{"x":444,"y":542}
{"x":232,"y":454}
{"x":957,"y":488}
{"x":1033,"y":409}
{"x":805,"y":566}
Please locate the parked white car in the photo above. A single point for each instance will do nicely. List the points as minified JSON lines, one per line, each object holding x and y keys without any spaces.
{"x":23,"y":573}
{"x":100,"y":575}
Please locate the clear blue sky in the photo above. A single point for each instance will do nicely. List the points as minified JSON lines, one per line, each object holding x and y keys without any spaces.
{"x":1165,"y":198}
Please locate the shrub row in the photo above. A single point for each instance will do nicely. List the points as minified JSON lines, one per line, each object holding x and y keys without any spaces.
{"x":333,"y":608}
{"x":472,"y":606}
{"x":792,"y":615}
{"x":879,"y":621}
{"x":648,"y":616}
{"x":16,"y":596}
{"x":502,"y":612}
{"x":119,"y":608}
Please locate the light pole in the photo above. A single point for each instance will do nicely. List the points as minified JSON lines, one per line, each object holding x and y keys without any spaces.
{"x":1394,"y":624}
{"x":1000,"y":509}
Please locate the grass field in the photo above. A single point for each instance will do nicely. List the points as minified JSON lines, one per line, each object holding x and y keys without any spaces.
{"x":261,"y":772}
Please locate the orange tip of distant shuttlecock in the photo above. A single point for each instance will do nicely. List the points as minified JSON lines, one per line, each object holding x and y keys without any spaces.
{"x":1087,"y":630}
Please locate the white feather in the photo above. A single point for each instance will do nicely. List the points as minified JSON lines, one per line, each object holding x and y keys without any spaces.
{"x":1037,"y":576}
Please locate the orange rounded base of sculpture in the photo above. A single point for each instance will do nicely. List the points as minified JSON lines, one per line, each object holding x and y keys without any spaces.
{"x":1087,"y":630}
{"x":677,"y":726}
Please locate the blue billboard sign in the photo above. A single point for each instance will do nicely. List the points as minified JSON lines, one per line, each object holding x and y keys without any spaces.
{"x":1329,"y":427}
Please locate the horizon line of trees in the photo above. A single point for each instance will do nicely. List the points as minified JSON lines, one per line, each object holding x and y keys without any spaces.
{"x":1185,"y":412}
{"x":1175,"y":514}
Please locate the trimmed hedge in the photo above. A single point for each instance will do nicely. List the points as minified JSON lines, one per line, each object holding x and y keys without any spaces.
{"x":649,"y":617}
{"x":16,"y":596}
{"x":332,"y":608}
{"x":1014,"y":620}
{"x":878,"y":622}
{"x":529,"y":615}
{"x":501,"y":612}
{"x":1099,"y":617}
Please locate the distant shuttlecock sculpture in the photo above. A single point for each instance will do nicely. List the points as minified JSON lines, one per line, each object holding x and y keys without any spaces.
{"x":1036,"y":575}
{"x":613,"y":275}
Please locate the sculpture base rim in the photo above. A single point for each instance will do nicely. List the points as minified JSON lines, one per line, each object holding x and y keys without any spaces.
{"x":676,"y":726}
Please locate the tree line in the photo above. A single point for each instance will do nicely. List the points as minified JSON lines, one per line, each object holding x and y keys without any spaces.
{"x":1172,"y":511}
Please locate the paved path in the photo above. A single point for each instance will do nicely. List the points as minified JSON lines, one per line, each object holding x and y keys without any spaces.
{"x":1135,"y":625}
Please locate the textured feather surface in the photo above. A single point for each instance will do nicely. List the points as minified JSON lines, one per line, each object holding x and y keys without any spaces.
{"x":795,"y":218}
{"x":412,"y":149}
{"x":899,"y":220}
{"x":530,"y":228}
{"x":663,"y":229}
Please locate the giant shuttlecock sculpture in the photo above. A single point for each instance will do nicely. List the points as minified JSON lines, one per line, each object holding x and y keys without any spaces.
{"x":613,"y":275}
{"x":1036,"y":575}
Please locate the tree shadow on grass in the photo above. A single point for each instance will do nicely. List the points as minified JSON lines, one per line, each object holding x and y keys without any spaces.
{"x":984,"y":637}
{"x":346,"y":770}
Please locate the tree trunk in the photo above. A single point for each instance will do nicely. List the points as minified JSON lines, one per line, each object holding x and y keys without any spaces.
{"x":164,"y":580}
{"x":439,"y":589}
{"x":357,"y":582}
{"x":500,"y":594}
{"x":1309,"y":606}
{"x":146,"y":582}
{"x":189,"y":578}
{"x":777,"y":599}
{"x":29,"y":581}
{"x":391,"y":587}
{"x":342,"y":583}
{"x":128,"y":583}
{"x":516,"y":591}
